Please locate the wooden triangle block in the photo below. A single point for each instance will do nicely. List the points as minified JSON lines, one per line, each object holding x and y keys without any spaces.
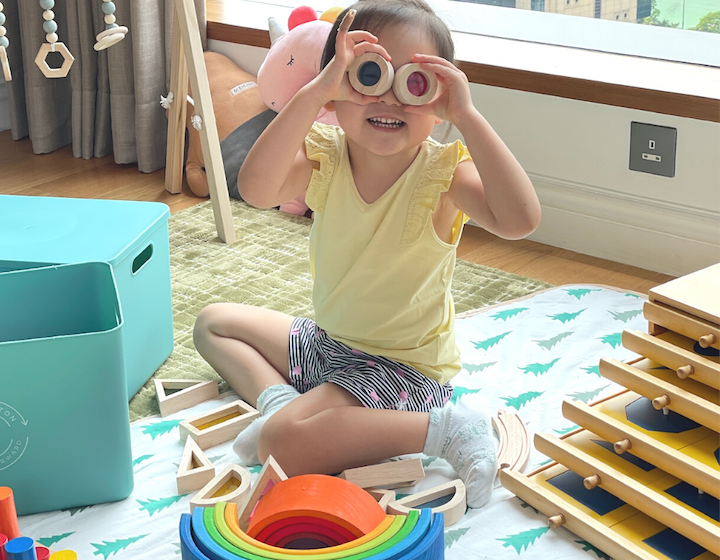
{"x":218,"y":425}
{"x":269,"y":476}
{"x":195,"y":469}
{"x":188,"y":393}
{"x":383,"y":496}
{"x":231,"y":485}
{"x":452,"y":511}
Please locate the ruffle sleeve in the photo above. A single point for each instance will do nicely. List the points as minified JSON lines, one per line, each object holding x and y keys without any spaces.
{"x":321,"y":145}
{"x":437,"y":178}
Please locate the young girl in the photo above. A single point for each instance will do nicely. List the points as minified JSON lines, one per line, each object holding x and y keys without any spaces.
{"x":369,"y":380}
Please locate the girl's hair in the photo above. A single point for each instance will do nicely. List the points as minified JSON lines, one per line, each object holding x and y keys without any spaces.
{"x":374,"y":15}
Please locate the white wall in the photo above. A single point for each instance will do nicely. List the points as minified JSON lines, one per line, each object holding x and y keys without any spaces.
{"x":576,"y":154}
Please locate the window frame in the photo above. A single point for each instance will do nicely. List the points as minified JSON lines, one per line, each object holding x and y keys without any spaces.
{"x":634,"y":82}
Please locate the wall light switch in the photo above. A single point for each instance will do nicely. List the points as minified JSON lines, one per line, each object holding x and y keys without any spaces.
{"x":652,"y":148}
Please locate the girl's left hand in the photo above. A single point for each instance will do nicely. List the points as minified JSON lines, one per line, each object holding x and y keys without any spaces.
{"x":455,"y":101}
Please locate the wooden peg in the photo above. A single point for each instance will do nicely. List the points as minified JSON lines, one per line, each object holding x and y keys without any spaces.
{"x":622,"y":446}
{"x":556,"y":520}
{"x":591,"y":481}
{"x":706,"y":341}
{"x":684,"y":372}
{"x":661,"y":402}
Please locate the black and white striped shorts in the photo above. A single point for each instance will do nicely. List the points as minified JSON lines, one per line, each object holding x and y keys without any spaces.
{"x":377,"y":382}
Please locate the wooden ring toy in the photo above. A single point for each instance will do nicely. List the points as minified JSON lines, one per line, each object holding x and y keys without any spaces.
{"x":371,"y":74}
{"x":413,"y":85}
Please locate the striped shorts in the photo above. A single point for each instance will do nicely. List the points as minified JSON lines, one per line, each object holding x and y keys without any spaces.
{"x":377,"y":382}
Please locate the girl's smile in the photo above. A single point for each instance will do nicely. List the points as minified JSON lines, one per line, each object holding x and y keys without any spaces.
{"x":386,"y":124}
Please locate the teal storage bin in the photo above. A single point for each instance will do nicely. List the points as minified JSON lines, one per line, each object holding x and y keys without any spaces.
{"x":63,"y":396}
{"x":132,"y":237}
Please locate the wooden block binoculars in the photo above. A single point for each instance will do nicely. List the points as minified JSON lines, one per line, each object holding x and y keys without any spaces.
{"x":371,"y":74}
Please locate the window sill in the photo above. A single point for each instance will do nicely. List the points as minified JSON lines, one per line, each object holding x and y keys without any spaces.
{"x":670,"y":88}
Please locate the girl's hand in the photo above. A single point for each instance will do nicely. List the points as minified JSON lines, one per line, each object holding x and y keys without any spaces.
{"x":455,"y":102}
{"x":332,"y":83}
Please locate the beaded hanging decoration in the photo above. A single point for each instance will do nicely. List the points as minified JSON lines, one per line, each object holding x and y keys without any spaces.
{"x":4,"y":44}
{"x":113,"y":33}
{"x":52,"y":45}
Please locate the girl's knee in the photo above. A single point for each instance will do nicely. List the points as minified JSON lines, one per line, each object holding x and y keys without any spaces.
{"x":281,"y":436}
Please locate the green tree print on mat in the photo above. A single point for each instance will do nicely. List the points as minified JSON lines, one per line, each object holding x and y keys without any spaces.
{"x":563,"y":431}
{"x":521,"y":400}
{"x":108,"y":548}
{"x":49,"y":541}
{"x":587,"y":547}
{"x":633,"y":296}
{"x":550,"y":342}
{"x":427,"y":461}
{"x":461,"y":392}
{"x":580,"y":293}
{"x":141,"y":459}
{"x":538,"y":369}
{"x":523,"y":540}
{"x":592,"y":369}
{"x":475,"y":368}
{"x":613,"y":340}
{"x":566,"y":317}
{"x":153,"y":506}
{"x":160,"y":428}
{"x":451,"y":537}
{"x":508,"y":313}
{"x":254,"y":469}
{"x":489,"y":342}
{"x":587,"y":395}
{"x":525,"y":505}
{"x":625,"y":316}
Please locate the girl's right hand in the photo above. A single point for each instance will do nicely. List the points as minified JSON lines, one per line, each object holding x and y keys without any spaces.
{"x":332,"y":84}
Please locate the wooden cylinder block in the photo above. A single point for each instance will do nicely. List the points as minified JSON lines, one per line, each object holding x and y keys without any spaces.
{"x":685,"y":371}
{"x":591,"y":481}
{"x":371,"y":74}
{"x":556,"y":520}
{"x":622,"y":446}
{"x":661,"y":402}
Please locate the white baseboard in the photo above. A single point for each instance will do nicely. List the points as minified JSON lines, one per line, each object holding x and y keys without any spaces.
{"x":650,"y":234}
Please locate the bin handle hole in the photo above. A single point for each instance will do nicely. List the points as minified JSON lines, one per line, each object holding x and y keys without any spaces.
{"x":142,"y":259}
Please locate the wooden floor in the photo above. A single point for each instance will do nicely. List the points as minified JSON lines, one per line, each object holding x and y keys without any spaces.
{"x":60,"y":174}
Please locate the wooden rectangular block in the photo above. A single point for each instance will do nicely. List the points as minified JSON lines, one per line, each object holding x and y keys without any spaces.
{"x":395,"y":474}
{"x":219,"y":425}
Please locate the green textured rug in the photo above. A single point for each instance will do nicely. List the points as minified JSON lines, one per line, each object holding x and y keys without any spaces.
{"x":268,"y":267}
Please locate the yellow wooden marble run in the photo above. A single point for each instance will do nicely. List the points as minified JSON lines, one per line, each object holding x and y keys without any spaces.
{"x":640,"y":478}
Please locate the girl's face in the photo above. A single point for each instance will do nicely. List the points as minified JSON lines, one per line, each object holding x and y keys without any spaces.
{"x":383,"y":128}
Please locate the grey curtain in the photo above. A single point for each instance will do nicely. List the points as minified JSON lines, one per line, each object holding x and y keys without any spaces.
{"x":110,"y":100}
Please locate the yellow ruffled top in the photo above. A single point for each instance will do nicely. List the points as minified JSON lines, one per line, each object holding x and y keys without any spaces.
{"x":382,"y":275}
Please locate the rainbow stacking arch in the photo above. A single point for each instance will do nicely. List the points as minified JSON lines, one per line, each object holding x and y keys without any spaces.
{"x":213,"y":534}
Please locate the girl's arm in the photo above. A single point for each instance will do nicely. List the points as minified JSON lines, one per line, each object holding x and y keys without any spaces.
{"x":495,"y":192}
{"x":276,"y":170}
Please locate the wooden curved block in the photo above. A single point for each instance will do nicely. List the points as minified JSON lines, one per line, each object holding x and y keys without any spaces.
{"x":5,"y":63}
{"x":452,"y":510}
{"x":231,"y":485}
{"x":514,"y":446}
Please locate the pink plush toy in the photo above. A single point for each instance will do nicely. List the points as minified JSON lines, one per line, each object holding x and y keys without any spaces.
{"x":293,"y":61}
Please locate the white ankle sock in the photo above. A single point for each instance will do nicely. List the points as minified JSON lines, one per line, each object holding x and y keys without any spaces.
{"x":462,"y":435}
{"x":269,"y":402}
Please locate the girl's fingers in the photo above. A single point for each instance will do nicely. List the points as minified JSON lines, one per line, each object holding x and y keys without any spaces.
{"x":346,"y":22}
{"x":365,"y":47}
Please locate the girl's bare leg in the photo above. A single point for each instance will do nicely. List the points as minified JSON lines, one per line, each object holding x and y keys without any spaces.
{"x":327,"y":430}
{"x":246,"y":345}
